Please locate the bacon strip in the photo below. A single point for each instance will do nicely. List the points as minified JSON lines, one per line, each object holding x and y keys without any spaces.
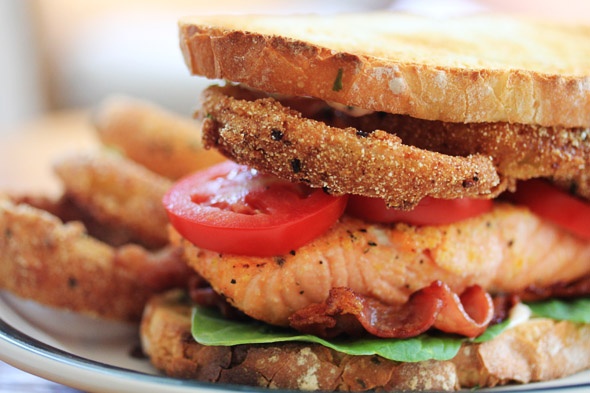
{"x":201,"y":293}
{"x":578,"y":288}
{"x":435,"y":306}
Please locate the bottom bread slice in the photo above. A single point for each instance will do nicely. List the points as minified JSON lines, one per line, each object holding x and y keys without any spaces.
{"x":537,"y":350}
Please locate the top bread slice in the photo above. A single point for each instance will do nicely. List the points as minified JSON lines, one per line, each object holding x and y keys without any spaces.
{"x":478,"y":68}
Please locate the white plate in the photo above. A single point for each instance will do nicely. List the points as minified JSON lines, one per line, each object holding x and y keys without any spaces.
{"x":98,"y":358}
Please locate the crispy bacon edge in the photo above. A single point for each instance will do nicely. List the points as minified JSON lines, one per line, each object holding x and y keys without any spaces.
{"x":577,"y":288}
{"x":435,"y":306}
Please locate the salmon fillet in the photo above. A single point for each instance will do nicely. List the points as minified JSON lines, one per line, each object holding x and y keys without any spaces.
{"x":503,"y":251}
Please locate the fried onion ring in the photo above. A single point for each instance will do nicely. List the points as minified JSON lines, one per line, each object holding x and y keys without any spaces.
{"x":67,"y":210}
{"x":59,"y":265}
{"x":272,"y":138}
{"x":117,"y":191}
{"x":162,"y":141}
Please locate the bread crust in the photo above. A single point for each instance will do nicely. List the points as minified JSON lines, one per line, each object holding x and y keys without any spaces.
{"x":536,"y":350}
{"x":486,"y":68}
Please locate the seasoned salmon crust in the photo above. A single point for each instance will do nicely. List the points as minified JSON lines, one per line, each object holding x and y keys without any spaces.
{"x":504,"y":251}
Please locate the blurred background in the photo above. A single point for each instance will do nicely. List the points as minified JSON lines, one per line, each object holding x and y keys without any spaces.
{"x":60,"y":54}
{"x":66,"y":54}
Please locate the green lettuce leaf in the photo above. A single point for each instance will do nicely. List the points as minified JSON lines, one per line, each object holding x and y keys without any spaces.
{"x":210,"y":328}
{"x":577,"y":310}
{"x":492,"y":331}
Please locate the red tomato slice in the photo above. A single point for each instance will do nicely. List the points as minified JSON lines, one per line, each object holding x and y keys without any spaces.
{"x":430,"y":211}
{"x":554,"y":205}
{"x":230,"y":208}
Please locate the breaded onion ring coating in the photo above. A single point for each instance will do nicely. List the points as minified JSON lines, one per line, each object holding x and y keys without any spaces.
{"x":59,"y":265}
{"x":160,"y":140}
{"x":117,"y":191}
{"x":272,"y":138}
{"x":67,"y":210}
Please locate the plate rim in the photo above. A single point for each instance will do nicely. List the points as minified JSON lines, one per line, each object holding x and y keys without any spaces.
{"x":22,"y":343}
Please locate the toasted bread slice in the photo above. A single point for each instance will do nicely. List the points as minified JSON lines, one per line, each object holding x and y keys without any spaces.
{"x":537,"y":350}
{"x":486,"y":68}
{"x":166,"y":339}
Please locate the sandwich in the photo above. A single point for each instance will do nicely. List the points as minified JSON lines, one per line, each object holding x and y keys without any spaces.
{"x":405,"y":205}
